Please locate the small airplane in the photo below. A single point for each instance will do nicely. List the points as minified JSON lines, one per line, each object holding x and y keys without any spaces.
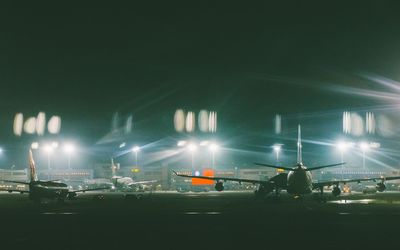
{"x":297,"y":182}
{"x":126,"y":183}
{"x":52,"y":189}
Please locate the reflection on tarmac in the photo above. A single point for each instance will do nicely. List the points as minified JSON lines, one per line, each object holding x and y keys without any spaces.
{"x":227,"y":220}
{"x":362,"y":201}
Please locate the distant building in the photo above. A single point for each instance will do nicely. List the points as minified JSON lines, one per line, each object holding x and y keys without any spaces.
{"x":68,"y":175}
{"x":14,"y":175}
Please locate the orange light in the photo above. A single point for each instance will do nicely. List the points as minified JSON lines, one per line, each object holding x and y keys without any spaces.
{"x":206,"y":172}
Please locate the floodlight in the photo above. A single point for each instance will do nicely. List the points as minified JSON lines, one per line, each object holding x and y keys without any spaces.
{"x":49,"y":149}
{"x":364,"y":146}
{"x":69,"y":148}
{"x":192,"y":147}
{"x":277,"y":148}
{"x":213,"y":147}
{"x":136,"y":149}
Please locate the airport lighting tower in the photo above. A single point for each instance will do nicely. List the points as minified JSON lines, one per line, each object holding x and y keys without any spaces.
{"x":364,"y":147}
{"x":136,"y":150}
{"x":69,"y":149}
{"x":277,"y":149}
{"x":49,"y":150}
{"x":192,"y":149}
{"x":342,"y":147}
{"x":213,"y":148}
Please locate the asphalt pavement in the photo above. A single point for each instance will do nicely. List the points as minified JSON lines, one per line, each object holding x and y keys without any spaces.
{"x":227,"y":220}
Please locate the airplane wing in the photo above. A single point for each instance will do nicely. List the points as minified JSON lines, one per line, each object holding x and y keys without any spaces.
{"x":141,"y":182}
{"x":326,"y":166}
{"x":17,"y":182}
{"x":89,"y":189}
{"x":221,"y":178}
{"x":317,"y":185}
{"x":272,"y":166}
{"x":290,"y":169}
{"x":15,"y":190}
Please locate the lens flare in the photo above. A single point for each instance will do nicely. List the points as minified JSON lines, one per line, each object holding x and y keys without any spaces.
{"x":54,"y":125}
{"x":30,"y":125}
{"x":179,"y":120}
{"x":18,"y":124}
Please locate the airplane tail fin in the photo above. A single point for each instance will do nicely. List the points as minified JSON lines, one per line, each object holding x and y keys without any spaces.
{"x":299,"y":146}
{"x":114,"y":167}
{"x":32,"y":167}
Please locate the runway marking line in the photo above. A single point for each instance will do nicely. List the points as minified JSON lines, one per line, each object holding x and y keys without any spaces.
{"x":54,"y":213}
{"x":202,"y":213}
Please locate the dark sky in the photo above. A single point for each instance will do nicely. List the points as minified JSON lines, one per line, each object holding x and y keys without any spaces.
{"x":247,"y":61}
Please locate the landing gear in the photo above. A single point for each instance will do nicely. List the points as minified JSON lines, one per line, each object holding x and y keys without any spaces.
{"x":320,"y":196}
{"x":263,"y":191}
{"x":277,"y":192}
{"x":336,"y":191}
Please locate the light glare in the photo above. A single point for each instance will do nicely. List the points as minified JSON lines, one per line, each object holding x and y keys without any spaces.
{"x":192,"y":147}
{"x":69,"y":148}
{"x":213,"y":147}
{"x":136,"y":149}
{"x":49,"y":149}
{"x":35,"y":145}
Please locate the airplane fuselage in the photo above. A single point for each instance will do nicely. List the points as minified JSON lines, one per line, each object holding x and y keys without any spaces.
{"x":299,"y":181}
{"x":47,"y":189}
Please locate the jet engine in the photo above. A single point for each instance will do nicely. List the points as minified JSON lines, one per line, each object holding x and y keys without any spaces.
{"x":336,"y":191}
{"x":219,"y":186}
{"x":380,"y":187}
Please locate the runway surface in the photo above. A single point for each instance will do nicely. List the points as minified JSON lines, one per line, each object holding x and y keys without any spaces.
{"x":230,"y":220}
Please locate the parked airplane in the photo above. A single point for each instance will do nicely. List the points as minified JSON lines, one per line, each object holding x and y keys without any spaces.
{"x":297,"y":182}
{"x":52,"y":189}
{"x":126,"y":183}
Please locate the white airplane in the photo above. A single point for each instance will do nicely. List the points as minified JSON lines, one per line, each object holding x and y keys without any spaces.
{"x":297,"y":182}
{"x":52,"y":189}
{"x":124,"y":183}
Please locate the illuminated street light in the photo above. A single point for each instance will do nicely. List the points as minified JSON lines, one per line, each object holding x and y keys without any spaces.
{"x":136,"y":150}
{"x":213,"y":148}
{"x":35,"y":145}
{"x":54,"y":144}
{"x":192,"y":148}
{"x":364,"y":147}
{"x":69,"y":149}
{"x":277,"y":149}
{"x":342,"y":147}
{"x":49,"y":150}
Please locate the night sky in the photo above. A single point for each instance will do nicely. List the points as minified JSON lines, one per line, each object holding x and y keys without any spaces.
{"x":246,"y":61}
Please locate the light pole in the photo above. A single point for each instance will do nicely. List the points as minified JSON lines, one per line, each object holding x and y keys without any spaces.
{"x":49,"y":150}
{"x":277,"y":149}
{"x":69,"y":149}
{"x":192,"y":148}
{"x":136,"y":150}
{"x":342,"y":146}
{"x":364,"y":147}
{"x":213,"y":148}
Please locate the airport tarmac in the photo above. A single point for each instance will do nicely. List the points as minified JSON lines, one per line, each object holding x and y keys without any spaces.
{"x":172,"y":220}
